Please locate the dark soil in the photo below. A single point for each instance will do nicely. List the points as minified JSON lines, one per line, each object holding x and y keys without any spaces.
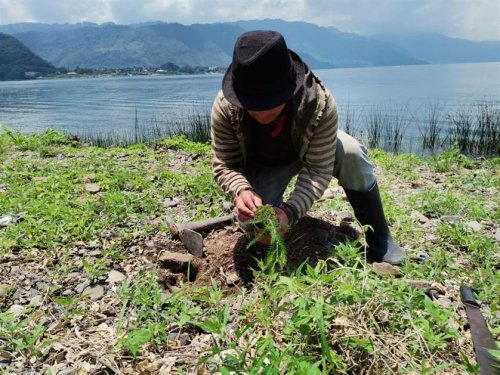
{"x":226,"y":251}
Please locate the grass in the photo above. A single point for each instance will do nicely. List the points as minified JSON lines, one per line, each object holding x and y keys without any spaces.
{"x":335,"y":317}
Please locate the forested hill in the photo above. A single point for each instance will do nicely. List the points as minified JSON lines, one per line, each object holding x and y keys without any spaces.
{"x":152,"y":44}
{"x":18,"y":62}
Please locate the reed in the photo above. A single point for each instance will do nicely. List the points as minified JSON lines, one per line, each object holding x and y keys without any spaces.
{"x":374,"y":128}
{"x":431,"y":133}
{"x":394,"y":130}
{"x":350,"y":126}
{"x":195,"y":127}
{"x":475,"y":130}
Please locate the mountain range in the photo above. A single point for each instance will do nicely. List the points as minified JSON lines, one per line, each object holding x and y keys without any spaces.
{"x":151,"y":44}
{"x":18,"y":62}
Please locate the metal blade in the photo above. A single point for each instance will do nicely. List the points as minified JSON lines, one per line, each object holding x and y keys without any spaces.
{"x":482,"y":340}
{"x":193,"y":241}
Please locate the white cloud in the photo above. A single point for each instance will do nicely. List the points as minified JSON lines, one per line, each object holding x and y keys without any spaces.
{"x":472,"y":19}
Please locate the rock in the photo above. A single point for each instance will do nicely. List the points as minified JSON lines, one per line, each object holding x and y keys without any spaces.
{"x":92,"y":188}
{"x":5,"y":290}
{"x":497,"y":235}
{"x":3,"y":189}
{"x":346,"y":216}
{"x":184,"y":339}
{"x":116,"y":277}
{"x":421,"y":256}
{"x":94,"y":253}
{"x":67,"y":371}
{"x":420,"y":284}
{"x":16,"y":310}
{"x":94,"y":293}
{"x":450,"y":219}
{"x":36,"y":300}
{"x":418,"y":217}
{"x":475,"y":226}
{"x":171,"y":202}
{"x":176,"y":262}
{"x":227,"y":206}
{"x":232,"y":278}
{"x":443,"y":302}
{"x":383,"y":269}
{"x":328,"y":194}
{"x":7,"y":220}
{"x":40,"y":179}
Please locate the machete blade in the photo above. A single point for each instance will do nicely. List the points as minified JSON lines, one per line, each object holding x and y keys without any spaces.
{"x":193,"y":241}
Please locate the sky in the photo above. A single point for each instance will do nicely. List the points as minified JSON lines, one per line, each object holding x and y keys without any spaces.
{"x":467,"y":19}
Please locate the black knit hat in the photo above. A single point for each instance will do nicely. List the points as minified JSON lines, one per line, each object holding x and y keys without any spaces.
{"x":264,"y":73}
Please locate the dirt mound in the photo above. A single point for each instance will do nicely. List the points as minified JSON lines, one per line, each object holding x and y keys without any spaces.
{"x":229,"y":261}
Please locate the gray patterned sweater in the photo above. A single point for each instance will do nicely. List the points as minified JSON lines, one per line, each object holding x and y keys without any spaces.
{"x":314,"y":137}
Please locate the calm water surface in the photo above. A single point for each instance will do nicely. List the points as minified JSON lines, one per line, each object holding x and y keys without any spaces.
{"x":110,"y":104}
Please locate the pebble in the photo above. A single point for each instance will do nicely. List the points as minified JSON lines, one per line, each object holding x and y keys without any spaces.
{"x":383,"y":269}
{"x":232,"y":278}
{"x":475,"y":226}
{"x":36,"y":300}
{"x":115,"y":277}
{"x":67,"y":371}
{"x":40,"y":179}
{"x":420,"y":284}
{"x":94,"y":253}
{"x":7,"y":220}
{"x":80,"y":287}
{"x":443,"y":302}
{"x":16,"y":310}
{"x":345,"y":216}
{"x":450,"y":219}
{"x":497,"y":235}
{"x":227,"y":206}
{"x":94,"y":293}
{"x":417,"y":216}
{"x":171,"y":202}
{"x":176,"y":262}
{"x":329,"y":194}
{"x":5,"y":290}
{"x":92,"y":188}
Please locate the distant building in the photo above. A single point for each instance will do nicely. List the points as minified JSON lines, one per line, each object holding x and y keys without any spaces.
{"x":31,"y":74}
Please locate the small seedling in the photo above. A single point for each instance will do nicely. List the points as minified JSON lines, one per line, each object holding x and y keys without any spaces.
{"x":268,"y":225}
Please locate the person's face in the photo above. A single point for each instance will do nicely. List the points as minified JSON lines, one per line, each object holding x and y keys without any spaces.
{"x":267,"y":116}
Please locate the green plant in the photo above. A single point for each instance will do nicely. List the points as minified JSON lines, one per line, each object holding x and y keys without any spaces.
{"x":21,"y":334}
{"x":96,"y":269}
{"x":268,"y":227}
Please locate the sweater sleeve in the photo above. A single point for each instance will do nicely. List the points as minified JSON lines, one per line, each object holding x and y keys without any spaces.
{"x":227,"y":157}
{"x":317,"y":170}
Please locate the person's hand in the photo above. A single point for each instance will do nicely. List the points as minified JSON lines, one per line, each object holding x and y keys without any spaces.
{"x":246,"y":204}
{"x":282,"y":219}
{"x":282,"y":228}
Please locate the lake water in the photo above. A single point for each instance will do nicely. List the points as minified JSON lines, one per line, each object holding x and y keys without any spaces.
{"x":87,"y":105}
